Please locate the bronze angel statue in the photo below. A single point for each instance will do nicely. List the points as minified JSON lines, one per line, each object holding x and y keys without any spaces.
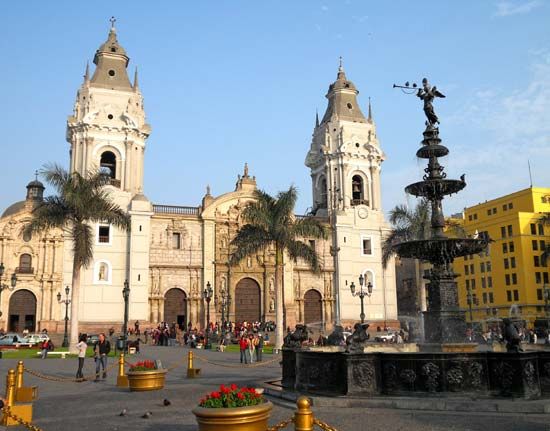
{"x":428,"y":93}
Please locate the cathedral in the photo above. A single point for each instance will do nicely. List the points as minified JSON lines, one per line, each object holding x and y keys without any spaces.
{"x":172,"y":253}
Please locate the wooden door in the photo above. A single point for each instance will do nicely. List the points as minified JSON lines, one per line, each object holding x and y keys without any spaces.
{"x":247,"y":301}
{"x":313,"y":307}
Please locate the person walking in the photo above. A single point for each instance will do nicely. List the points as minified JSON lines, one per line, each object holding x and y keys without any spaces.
{"x":243,"y":344}
{"x":82,"y":346}
{"x":252,"y":348}
{"x":101,"y":349}
{"x":44,"y":347}
{"x":259,"y":347}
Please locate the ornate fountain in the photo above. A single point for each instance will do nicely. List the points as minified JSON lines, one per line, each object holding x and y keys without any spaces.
{"x":444,"y":365}
{"x":444,"y":323}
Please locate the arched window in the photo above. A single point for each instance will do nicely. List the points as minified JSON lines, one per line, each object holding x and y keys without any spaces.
{"x":25,"y":264}
{"x":107,"y":164}
{"x":323,"y":193}
{"x":358,"y":191}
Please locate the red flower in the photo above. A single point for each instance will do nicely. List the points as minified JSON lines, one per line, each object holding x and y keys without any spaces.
{"x":240,"y":396}
{"x":233,"y":387}
{"x":224,"y":389}
{"x":215,"y":394}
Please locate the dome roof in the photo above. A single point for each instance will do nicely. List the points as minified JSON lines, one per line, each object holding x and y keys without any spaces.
{"x":111,"y":45}
{"x":14,"y":209}
{"x":35,"y":183}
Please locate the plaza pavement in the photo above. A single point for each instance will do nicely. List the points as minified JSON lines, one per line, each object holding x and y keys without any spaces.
{"x":93,"y":406}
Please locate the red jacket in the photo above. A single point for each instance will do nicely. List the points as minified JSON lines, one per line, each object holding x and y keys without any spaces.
{"x":243,"y":343}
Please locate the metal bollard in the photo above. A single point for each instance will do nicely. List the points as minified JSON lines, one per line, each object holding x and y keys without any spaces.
{"x":122,"y":378}
{"x":303,"y":417}
{"x":10,"y":388}
{"x":23,"y":411}
{"x":23,"y":394}
{"x":191,"y":371}
{"x":19,"y":375}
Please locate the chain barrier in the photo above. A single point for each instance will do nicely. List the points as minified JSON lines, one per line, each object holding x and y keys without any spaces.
{"x":323,"y":425}
{"x":281,"y":425}
{"x":6,"y":411}
{"x":88,"y":377}
{"x":254,"y":365}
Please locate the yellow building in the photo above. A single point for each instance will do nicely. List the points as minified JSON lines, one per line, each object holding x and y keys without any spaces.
{"x":510,"y":277}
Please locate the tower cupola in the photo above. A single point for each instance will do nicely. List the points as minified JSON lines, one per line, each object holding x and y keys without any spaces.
{"x":35,"y":190}
{"x":342,"y":100}
{"x":111,"y":62}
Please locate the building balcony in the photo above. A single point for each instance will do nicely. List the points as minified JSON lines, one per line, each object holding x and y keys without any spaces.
{"x":24,"y":270}
{"x":355,"y":202}
{"x":114,"y":182}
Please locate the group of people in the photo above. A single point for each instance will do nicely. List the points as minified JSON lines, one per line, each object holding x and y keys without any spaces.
{"x":251,"y":347}
{"x":101,"y":348}
{"x":495,"y":334}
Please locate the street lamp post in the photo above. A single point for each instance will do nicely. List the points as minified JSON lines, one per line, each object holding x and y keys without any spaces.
{"x":362,"y":293}
{"x":10,"y":286}
{"x":207,"y":296}
{"x":126,"y":296}
{"x":66,"y":301}
{"x":225,"y":302}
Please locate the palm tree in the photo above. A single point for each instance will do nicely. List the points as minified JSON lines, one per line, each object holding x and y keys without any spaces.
{"x":408,"y":225}
{"x":270,"y":223}
{"x":80,"y":201}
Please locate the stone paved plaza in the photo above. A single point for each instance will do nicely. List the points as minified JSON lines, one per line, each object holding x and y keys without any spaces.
{"x":96,"y":406}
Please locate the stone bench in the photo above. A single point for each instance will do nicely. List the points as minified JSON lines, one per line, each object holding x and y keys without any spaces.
{"x":62,"y":354}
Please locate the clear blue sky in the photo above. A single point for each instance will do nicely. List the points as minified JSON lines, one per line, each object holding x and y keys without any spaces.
{"x":232,"y":81}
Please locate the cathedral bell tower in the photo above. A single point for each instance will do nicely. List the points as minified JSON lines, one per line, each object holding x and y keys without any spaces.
{"x":345,"y":155}
{"x":107,"y":130}
{"x":345,"y":159}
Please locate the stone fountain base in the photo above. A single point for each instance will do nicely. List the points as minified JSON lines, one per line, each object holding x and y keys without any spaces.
{"x":475,"y":374}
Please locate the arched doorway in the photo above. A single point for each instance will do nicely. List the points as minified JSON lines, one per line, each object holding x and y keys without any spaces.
{"x":175,"y":307}
{"x":247,"y":301}
{"x":22,"y":311}
{"x":313,"y":307}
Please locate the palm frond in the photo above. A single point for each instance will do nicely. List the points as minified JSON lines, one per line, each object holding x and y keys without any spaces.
{"x":284,"y":206}
{"x":249,"y":240}
{"x":258,"y":213}
{"x":299,"y":250}
{"x":100,"y":208}
{"x":55,"y":175}
{"x":309,"y":227}
{"x":51,"y":213}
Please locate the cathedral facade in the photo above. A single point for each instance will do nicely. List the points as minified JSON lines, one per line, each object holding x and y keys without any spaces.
{"x":172,"y":253}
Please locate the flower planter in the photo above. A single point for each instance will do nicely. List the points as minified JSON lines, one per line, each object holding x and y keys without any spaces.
{"x":250,"y":418}
{"x":146,"y":380}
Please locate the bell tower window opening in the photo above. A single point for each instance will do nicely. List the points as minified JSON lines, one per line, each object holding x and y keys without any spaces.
{"x":107,"y":164}
{"x":358,"y":191}
{"x":323,"y":203}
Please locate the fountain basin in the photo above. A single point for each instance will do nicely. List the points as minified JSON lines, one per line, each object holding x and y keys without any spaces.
{"x":440,"y":250}
{"x":435,"y":188}
{"x":480,"y":374}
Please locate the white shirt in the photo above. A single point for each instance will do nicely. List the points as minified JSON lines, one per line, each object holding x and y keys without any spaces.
{"x":81,"y":346}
